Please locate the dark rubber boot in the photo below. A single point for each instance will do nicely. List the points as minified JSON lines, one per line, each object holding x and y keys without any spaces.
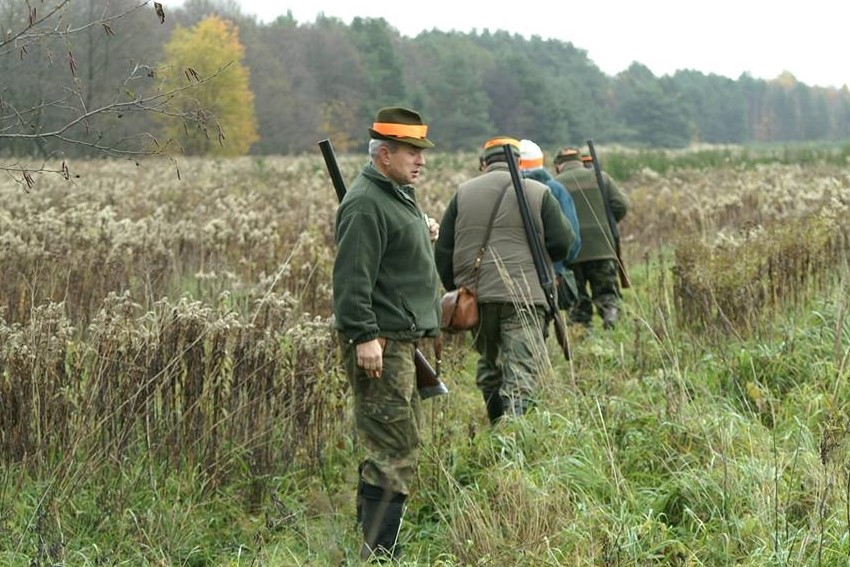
{"x":495,"y":408}
{"x":582,"y":312}
{"x":609,"y":317}
{"x":381,"y":513}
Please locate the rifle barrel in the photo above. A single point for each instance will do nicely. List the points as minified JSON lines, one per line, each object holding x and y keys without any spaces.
{"x":612,"y":222}
{"x":537,"y":253}
{"x":333,"y":168}
{"x":533,"y":242}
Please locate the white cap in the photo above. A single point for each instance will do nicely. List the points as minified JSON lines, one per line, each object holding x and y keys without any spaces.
{"x":530,"y":155}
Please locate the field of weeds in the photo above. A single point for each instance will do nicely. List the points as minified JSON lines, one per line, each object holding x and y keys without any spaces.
{"x":170,"y":393}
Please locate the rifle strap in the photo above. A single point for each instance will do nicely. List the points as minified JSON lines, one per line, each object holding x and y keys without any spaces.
{"x":476,"y":266}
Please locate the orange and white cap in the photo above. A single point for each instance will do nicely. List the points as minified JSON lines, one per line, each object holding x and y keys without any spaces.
{"x":530,"y":155}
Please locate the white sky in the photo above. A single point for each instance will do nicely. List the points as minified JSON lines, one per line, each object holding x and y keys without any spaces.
{"x":809,"y":38}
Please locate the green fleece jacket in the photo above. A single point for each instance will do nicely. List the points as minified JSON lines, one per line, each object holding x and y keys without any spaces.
{"x":384,"y":278}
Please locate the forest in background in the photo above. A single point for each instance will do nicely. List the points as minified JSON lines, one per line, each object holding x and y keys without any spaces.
{"x":326,"y":78}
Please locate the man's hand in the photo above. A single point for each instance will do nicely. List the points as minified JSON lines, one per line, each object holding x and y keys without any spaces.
{"x":370,"y":357}
{"x":434,"y":229}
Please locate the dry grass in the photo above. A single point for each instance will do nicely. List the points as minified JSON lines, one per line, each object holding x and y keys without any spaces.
{"x":186,"y":325}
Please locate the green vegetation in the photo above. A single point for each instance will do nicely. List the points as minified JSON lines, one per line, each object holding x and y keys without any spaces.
{"x":181,"y":403}
{"x":623,"y":163}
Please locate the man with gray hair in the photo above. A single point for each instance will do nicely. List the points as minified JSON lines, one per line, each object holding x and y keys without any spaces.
{"x":386,"y":298}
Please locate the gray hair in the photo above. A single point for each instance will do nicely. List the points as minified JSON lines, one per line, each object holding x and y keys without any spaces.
{"x":375,"y":146}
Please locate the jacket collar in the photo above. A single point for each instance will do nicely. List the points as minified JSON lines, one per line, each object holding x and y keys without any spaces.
{"x":406,"y":192}
{"x":496,"y":166}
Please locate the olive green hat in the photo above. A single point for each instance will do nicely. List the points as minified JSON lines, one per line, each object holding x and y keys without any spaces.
{"x":566,"y":154}
{"x":494,"y":146}
{"x":400,"y":125}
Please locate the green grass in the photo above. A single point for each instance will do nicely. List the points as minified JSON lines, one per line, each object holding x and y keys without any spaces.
{"x":624,"y":164}
{"x":677,"y":446}
{"x":697,"y":454}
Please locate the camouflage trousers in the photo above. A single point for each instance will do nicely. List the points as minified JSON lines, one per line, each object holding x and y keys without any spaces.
{"x":601,"y":277}
{"x":510,"y":343}
{"x":387,"y":414}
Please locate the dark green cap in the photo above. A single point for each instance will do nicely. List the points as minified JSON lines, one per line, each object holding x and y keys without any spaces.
{"x":400,"y":125}
{"x":566,"y":154}
{"x":495,"y":146}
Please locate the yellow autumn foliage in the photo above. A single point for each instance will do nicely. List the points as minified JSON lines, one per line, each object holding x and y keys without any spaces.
{"x":223,"y":121}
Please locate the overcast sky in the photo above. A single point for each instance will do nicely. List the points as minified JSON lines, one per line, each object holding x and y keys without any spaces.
{"x":809,"y":38}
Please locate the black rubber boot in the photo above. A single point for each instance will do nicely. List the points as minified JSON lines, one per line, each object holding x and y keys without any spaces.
{"x":582,"y":312}
{"x":381,"y":513}
{"x":495,"y":408}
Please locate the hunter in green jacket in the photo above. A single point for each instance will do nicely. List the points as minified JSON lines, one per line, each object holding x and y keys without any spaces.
{"x":386,"y":298}
{"x":385,"y":283}
{"x":595,"y":267}
{"x":511,"y":302}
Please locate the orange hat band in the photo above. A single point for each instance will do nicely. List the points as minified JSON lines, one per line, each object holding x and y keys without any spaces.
{"x":531,"y":163}
{"x":500,"y":142}
{"x":400,"y":130}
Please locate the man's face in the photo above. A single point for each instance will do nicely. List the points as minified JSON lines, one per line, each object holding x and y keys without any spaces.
{"x":404,"y":165}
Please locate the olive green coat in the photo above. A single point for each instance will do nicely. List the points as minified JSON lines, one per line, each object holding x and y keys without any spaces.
{"x":508,"y":265}
{"x":384,"y":278}
{"x":597,"y":241}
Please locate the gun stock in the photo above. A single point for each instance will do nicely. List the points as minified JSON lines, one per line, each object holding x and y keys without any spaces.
{"x":427,"y":379}
{"x":537,"y":253}
{"x":612,"y":222}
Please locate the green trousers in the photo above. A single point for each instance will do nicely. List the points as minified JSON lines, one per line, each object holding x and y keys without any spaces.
{"x":388,"y":416}
{"x":512,"y":349}
{"x":600,"y":276}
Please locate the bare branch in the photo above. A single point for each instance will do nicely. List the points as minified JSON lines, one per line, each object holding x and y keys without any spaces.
{"x":64,"y":98}
{"x":35,"y":31}
{"x":12,"y":38}
{"x":153,"y":103}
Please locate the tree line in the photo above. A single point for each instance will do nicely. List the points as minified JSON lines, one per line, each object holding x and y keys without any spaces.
{"x":314,"y":80}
